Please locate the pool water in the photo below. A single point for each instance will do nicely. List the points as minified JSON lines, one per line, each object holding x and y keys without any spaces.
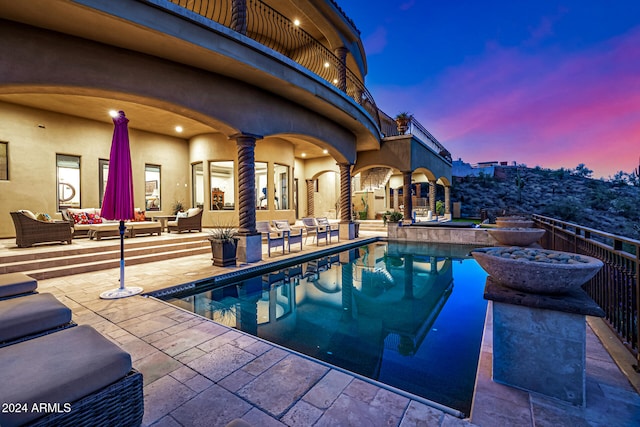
{"x":407,"y":315}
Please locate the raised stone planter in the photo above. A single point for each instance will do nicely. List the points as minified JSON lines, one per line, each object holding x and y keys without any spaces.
{"x":537,"y":270}
{"x":516,"y":236}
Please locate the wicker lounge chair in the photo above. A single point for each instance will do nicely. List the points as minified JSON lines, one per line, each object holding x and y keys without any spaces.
{"x":29,"y":230}
{"x":332,"y":229}
{"x":192,"y":222}
{"x":293,"y":235}
{"x":274,"y":238}
{"x":313,"y":229}
{"x":14,"y":285}
{"x":31,"y":316}
{"x":85,"y":376}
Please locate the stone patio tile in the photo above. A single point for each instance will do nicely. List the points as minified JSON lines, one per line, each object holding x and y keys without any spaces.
{"x":166,"y":421}
{"x":189,"y":355}
{"x":142,"y":327}
{"x":361,"y":390}
{"x":451,"y":421}
{"x":183,"y":325}
{"x":620,"y":394}
{"x":607,"y":372}
{"x":176,"y":344}
{"x":327,"y":390}
{"x":136,"y":347}
{"x":163,"y":396}
{"x":283,"y":384}
{"x":492,"y":411}
{"x":156,"y":336}
{"x":221,"y":362}
{"x":265,"y":361}
{"x":228,"y":337}
{"x":183,"y":374}
{"x":349,"y":411}
{"x":256,"y":417}
{"x":391,"y":402}
{"x":302,"y":414}
{"x":236,"y":380}
{"x":156,"y":365}
{"x":199,"y":383}
{"x":244,"y":341}
{"x":181,"y":316}
{"x":419,"y":414}
{"x":213,"y":407}
{"x":258,"y":347}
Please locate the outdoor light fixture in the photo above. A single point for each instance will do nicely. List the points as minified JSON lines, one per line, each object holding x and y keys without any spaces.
{"x":325,"y":151}
{"x":304,"y":154}
{"x":113,"y":113}
{"x":179,"y":129}
{"x":296,"y":22}
{"x":326,"y":65}
{"x":335,"y":81}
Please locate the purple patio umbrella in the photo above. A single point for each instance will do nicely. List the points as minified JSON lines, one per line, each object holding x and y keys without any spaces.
{"x":117,"y":203}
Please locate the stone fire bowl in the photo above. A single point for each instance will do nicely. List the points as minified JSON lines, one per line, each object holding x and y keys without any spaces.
{"x":514,"y":223}
{"x":539,"y":271}
{"x":516,"y":236}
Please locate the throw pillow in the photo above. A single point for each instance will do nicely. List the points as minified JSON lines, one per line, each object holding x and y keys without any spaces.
{"x":79,"y":217}
{"x":94,"y":219}
{"x":44,"y":217}
{"x":139,"y":216}
{"x":182,"y":215}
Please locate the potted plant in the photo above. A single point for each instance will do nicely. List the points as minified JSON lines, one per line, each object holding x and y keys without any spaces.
{"x":394,"y":216}
{"x":223,"y":245}
{"x":177,"y":207}
{"x":364,"y":214}
{"x":402,"y":121}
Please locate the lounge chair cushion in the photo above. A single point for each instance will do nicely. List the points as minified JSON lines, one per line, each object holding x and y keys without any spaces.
{"x":16,"y":284}
{"x":31,"y":314}
{"x":58,"y":368}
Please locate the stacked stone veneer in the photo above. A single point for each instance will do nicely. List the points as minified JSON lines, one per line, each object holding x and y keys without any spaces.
{"x":462,"y":236}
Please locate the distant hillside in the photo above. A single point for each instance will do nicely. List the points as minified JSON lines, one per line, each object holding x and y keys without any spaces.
{"x":603,"y":205}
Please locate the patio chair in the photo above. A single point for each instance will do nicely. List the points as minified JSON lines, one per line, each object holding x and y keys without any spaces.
{"x":85,"y":376}
{"x":312,"y":228}
{"x":192,"y":221}
{"x":29,"y":230}
{"x":293,"y":235}
{"x":31,"y":316}
{"x":274,"y":238}
{"x":333,"y":229}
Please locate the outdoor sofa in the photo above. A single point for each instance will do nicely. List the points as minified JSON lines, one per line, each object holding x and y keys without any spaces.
{"x":88,"y":222}
{"x":190,"y":221}
{"x":30,"y":230}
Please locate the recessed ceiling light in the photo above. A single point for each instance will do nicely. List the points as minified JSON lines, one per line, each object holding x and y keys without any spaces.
{"x":304,"y":154}
{"x":178,"y":129}
{"x":296,"y":22}
{"x":113,"y":113}
{"x":325,"y":151}
{"x":335,"y":81}
{"x":326,"y":65}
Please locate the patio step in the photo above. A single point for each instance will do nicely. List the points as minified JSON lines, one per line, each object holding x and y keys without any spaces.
{"x":59,"y":263}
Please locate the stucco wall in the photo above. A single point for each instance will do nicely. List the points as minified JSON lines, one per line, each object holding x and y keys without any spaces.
{"x":36,"y":136}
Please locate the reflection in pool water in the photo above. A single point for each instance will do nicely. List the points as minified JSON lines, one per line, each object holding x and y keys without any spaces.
{"x":410,"y":316}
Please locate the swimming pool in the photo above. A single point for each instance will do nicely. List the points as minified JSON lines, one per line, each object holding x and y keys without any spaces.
{"x":407,"y":315}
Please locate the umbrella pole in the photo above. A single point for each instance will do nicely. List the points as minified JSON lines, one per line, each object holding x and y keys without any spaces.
{"x":122,"y":254}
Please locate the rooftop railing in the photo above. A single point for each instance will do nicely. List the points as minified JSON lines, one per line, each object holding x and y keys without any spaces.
{"x":272,"y":29}
{"x":616,"y":287}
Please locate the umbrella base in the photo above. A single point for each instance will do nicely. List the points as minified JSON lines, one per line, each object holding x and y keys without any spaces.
{"x":120,"y":293}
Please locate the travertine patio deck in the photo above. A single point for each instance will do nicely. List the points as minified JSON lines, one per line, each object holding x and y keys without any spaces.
{"x":199,"y":373}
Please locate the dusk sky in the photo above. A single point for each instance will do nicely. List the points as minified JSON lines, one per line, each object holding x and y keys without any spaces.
{"x":548,"y":83}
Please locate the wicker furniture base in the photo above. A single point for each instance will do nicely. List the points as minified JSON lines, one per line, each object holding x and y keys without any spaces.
{"x":119,"y":404}
{"x":30,"y":231}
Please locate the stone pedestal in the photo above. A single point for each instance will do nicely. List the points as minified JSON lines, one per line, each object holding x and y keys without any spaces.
{"x":249,"y":248}
{"x":348,"y":230}
{"x":539,"y":341}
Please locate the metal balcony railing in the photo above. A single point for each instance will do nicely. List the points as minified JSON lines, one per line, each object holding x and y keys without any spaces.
{"x":616,"y":287}
{"x":272,"y":29}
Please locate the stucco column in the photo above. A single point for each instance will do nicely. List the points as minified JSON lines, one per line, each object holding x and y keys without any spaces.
{"x":310,"y":191}
{"x":345,"y":192}
{"x":406,"y":196}
{"x":432,"y":197}
{"x":239,"y":16}
{"x":447,"y":200}
{"x":250,"y":243}
{"x":341,"y":53}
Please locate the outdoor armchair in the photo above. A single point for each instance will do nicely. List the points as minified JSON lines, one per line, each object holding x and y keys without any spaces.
{"x":29,"y":230}
{"x":312,"y":228}
{"x":332,"y":229}
{"x":274,"y":238}
{"x":293,"y":235}
{"x":192,"y":221}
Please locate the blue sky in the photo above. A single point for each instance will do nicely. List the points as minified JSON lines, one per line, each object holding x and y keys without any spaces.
{"x":550,"y":83}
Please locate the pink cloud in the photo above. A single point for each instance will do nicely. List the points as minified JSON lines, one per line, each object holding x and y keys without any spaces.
{"x":553,"y":109}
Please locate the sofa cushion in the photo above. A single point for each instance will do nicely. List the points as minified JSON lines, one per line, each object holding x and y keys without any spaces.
{"x":28,"y":213}
{"x":58,"y":368}
{"x":192,"y":212}
{"x":16,"y":284}
{"x":31,"y":314}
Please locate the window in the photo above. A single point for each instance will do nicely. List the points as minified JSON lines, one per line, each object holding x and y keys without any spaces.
{"x":68,"y":173}
{"x":261,"y":186}
{"x":197,"y":185}
{"x":103,"y":175}
{"x":223,"y":187}
{"x":152,"y":187}
{"x":4,"y":161}
{"x":281,"y":180}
